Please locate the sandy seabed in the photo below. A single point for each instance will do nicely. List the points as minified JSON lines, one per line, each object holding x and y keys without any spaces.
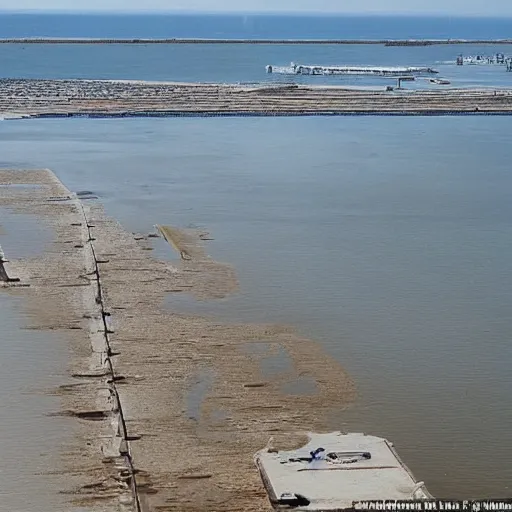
{"x":170,"y":408}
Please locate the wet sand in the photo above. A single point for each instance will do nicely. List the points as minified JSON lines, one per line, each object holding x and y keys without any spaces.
{"x":169,"y":408}
{"x":32,"y":364}
{"x":103,"y":98}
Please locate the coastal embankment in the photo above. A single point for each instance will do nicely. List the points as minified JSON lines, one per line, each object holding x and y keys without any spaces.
{"x":101,"y":98}
{"x":143,"y":41}
{"x":169,"y":407}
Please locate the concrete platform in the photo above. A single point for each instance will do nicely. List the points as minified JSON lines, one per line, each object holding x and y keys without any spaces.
{"x":350,"y":468}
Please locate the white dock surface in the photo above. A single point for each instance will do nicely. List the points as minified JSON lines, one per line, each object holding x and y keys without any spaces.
{"x":335,"y":486}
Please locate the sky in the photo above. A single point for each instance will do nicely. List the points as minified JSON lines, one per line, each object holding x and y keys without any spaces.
{"x":460,"y":7}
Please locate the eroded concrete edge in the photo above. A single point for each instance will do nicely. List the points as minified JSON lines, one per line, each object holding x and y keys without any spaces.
{"x":100,"y":329}
{"x":115,"y":447}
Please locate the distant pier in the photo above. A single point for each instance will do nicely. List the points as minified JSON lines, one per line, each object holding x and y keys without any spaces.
{"x":146,"y":41}
{"x":382,"y":71}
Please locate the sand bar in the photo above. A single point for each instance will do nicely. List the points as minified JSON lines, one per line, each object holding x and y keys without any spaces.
{"x":101,"y":98}
{"x":170,"y":407}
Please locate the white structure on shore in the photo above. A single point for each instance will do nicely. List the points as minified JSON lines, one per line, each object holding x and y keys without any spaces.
{"x":299,"y":69}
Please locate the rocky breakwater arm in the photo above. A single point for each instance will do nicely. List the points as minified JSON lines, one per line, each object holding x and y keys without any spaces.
{"x":66,"y":98}
{"x":145,"y":41}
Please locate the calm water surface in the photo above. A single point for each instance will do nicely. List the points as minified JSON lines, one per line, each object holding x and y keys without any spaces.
{"x":253,"y":26}
{"x":32,"y":363}
{"x":388,"y":240}
{"x":246,"y":63}
{"x":243,"y":63}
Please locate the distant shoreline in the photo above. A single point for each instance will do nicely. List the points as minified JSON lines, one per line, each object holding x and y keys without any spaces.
{"x":25,"y":98}
{"x":142,"y":41}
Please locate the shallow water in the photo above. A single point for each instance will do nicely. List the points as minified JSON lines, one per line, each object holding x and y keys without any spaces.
{"x":247,"y":25}
{"x":388,"y":240}
{"x":231,"y":63}
{"x":32,"y":363}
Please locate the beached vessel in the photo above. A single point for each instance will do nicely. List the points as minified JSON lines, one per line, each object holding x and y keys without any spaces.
{"x":336,"y":471}
{"x":300,"y":69}
{"x":439,"y":81}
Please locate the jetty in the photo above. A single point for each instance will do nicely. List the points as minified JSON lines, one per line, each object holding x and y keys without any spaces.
{"x":21,"y":98}
{"x":381,"y":71}
{"x":146,"y":41}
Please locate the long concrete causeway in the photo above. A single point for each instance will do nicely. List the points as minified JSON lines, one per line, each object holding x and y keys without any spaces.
{"x":144,"y":41}
{"x":67,"y":98}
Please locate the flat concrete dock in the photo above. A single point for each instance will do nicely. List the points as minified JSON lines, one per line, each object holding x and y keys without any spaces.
{"x":350,"y":468}
{"x":96,"y":98}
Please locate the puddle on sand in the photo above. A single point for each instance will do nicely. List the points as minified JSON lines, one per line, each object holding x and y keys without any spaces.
{"x":257,"y":348}
{"x":302,"y":386}
{"x":23,"y":235}
{"x":276,"y":363}
{"x":200,"y":383}
{"x":182,"y":302}
{"x":219,"y":415}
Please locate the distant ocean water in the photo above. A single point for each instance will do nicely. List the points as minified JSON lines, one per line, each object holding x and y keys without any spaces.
{"x":244,"y":63}
{"x":251,"y":26}
{"x":387,"y":240}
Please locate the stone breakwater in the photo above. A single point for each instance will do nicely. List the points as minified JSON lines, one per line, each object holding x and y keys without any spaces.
{"x":386,"y":42}
{"x":66,"y":98}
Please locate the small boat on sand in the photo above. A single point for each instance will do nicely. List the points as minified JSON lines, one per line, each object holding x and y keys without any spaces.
{"x":335,"y":472}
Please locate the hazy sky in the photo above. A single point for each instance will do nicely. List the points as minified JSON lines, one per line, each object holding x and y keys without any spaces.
{"x":461,"y":7}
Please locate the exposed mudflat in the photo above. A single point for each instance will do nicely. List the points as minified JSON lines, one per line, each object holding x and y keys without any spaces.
{"x":171,"y":408}
{"x":40,"y":98}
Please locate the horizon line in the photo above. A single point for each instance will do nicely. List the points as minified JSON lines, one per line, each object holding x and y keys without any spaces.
{"x":178,"y":12}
